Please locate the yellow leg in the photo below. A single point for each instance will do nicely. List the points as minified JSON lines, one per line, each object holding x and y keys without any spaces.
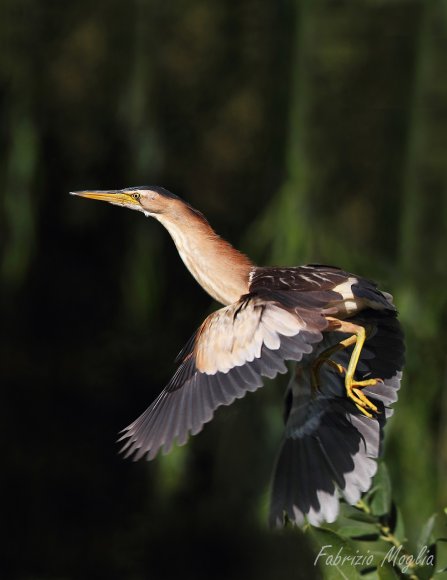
{"x":324,"y":358}
{"x":353,"y":387}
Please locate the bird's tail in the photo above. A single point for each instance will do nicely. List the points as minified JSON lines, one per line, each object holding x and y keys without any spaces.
{"x":329,"y":449}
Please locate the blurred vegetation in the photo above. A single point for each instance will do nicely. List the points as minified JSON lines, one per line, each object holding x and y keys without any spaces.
{"x":370,"y":540}
{"x":306,"y":132}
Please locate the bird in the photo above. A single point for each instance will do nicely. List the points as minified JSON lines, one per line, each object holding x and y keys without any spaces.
{"x":340,"y":332}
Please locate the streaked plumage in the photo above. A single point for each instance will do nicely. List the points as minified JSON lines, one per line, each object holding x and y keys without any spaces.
{"x":272,"y":315}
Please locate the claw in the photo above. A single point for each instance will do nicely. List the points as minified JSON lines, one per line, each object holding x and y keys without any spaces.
{"x":338,"y":367}
{"x":352,"y":386}
{"x":361,"y":401}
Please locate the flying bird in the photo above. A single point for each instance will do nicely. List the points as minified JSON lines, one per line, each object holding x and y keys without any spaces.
{"x":339,"y":328}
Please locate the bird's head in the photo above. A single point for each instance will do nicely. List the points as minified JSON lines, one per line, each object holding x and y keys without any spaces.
{"x":151,"y":200}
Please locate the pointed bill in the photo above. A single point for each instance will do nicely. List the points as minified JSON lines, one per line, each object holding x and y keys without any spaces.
{"x":117,"y":197}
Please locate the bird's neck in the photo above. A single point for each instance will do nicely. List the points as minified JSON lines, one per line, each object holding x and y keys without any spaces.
{"x":220,"y":269}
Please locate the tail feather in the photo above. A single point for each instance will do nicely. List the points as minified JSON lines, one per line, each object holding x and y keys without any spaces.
{"x":329,"y":449}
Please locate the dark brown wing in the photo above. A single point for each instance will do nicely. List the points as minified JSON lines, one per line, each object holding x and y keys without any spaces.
{"x":309,"y":278}
{"x":316,"y":282}
{"x":233,"y":349}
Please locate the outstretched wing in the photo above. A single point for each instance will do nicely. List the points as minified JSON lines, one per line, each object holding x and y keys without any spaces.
{"x":229,"y":354}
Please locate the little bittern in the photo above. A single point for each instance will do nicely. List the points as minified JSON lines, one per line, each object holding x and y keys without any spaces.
{"x":341,"y":331}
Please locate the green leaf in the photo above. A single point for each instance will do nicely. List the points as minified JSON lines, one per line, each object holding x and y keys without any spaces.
{"x":426,"y":536}
{"x":398,"y":527}
{"x":353,"y":513}
{"x":387,"y":572}
{"x":358,"y":530}
{"x":378,"y":549}
{"x":380,"y":502}
{"x":370,"y":574}
{"x":368,"y":495}
{"x":426,"y":568}
{"x":335,"y":555}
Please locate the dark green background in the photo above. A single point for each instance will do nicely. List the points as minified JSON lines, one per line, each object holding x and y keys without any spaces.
{"x":306,"y":132}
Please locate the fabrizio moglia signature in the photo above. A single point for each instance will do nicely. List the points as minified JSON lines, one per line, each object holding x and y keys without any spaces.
{"x":395,"y":556}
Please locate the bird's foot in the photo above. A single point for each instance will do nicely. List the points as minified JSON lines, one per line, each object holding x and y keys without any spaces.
{"x":360,"y":400}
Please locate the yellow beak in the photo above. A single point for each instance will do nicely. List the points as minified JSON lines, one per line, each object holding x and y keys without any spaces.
{"x":118,"y":196}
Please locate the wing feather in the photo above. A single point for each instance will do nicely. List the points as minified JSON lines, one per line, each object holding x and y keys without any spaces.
{"x":228,"y":356}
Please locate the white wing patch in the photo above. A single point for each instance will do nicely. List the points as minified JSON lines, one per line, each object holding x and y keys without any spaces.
{"x":236,"y":334}
{"x":349,"y":301}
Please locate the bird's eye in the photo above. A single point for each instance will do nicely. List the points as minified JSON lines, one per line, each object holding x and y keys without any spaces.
{"x":136,"y":196}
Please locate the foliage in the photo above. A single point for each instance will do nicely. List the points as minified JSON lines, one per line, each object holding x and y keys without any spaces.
{"x":369,"y":540}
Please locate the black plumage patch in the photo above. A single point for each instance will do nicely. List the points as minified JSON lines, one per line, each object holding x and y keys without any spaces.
{"x":368,"y":289}
{"x":300,"y":279}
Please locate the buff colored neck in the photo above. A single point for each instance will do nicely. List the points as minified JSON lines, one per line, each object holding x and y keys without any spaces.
{"x":220,"y":269}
